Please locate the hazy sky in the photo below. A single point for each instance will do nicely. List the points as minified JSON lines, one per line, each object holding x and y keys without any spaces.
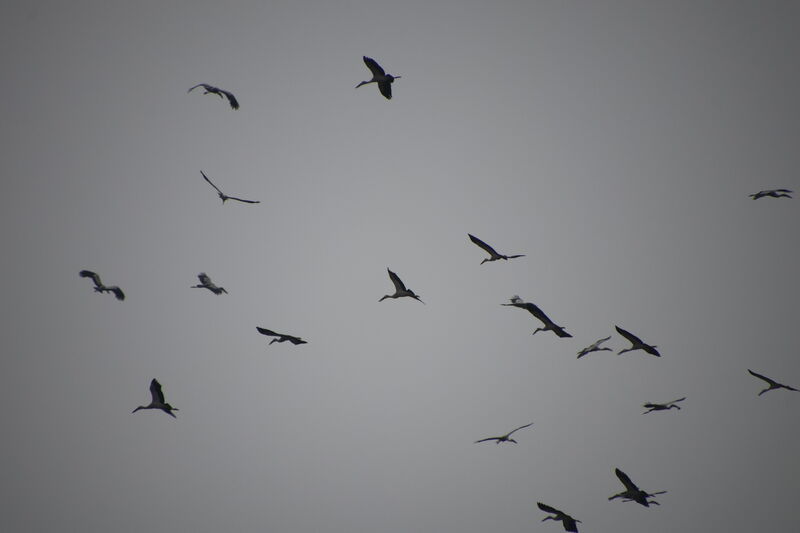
{"x":613,"y":143}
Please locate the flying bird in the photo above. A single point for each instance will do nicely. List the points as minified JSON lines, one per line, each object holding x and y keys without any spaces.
{"x":281,"y":337}
{"x":774,"y":193}
{"x":533,"y":309}
{"x":771,"y":382}
{"x":491,"y":251}
{"x":399,"y":289}
{"x":662,"y":406}
{"x":99,"y":287}
{"x":158,"y":400}
{"x":210,"y":89}
{"x":594,"y":348}
{"x":636,"y":343}
{"x":224,"y":196}
{"x":506,"y":437}
{"x":206,"y":283}
{"x":380,"y":77}
{"x":567,"y":521}
{"x":632,"y":493}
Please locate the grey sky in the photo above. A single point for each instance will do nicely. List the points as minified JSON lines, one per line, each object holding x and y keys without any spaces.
{"x":613,"y":143}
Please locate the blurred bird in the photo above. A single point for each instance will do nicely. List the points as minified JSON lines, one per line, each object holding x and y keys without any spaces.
{"x":566,"y":520}
{"x":636,"y":343}
{"x":774,"y":193}
{"x":99,"y":287}
{"x":206,"y":283}
{"x":771,"y":382}
{"x":533,"y":309}
{"x":399,"y":289}
{"x":158,"y":400}
{"x":380,"y":77}
{"x":632,"y":493}
{"x":281,"y":337}
{"x":662,"y":406}
{"x":594,"y":348}
{"x":210,"y":89}
{"x":224,"y":196}
{"x":491,"y":251}
{"x":506,"y":437}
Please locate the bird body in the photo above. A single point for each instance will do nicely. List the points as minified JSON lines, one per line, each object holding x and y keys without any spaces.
{"x":400,"y":289}
{"x":773,"y":193}
{"x":570,"y":524}
{"x":224,"y":197}
{"x":662,"y":406}
{"x":632,"y":493}
{"x":281,"y":337}
{"x":99,"y":287}
{"x":595,"y":347}
{"x":380,"y":77}
{"x":158,"y":400}
{"x":206,"y":283}
{"x":533,"y":309}
{"x":210,"y":89}
{"x":636,"y":343}
{"x":493,"y":255}
{"x":504,"y":438}
{"x":773,"y":385}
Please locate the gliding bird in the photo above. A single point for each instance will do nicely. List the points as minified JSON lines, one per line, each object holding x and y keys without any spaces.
{"x":771,"y":382}
{"x":594,"y":348}
{"x":399,"y":289}
{"x":380,"y":77}
{"x":662,"y":406}
{"x":281,"y":337}
{"x":568,"y":522}
{"x":99,"y":287}
{"x":210,"y":89}
{"x":632,"y":493}
{"x":636,"y":343}
{"x":533,"y":309}
{"x":206,"y":283}
{"x":224,"y":196}
{"x":506,"y":437}
{"x":774,"y":193}
{"x":491,"y":251}
{"x":158,"y":400}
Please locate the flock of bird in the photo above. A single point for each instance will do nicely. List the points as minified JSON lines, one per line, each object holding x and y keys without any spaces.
{"x":384,"y":82}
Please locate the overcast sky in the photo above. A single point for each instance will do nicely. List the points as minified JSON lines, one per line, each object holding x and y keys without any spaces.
{"x":612,"y":143}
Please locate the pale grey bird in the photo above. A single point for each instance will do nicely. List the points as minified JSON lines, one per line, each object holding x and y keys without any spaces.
{"x":206,"y":283}
{"x":158,"y":400}
{"x":533,"y":309}
{"x":570,"y":524}
{"x":210,"y":89}
{"x":595,"y":347}
{"x":224,"y":196}
{"x":636,"y":343}
{"x":380,"y":77}
{"x":632,"y":493}
{"x":662,"y":406}
{"x":774,"y":193}
{"x":506,"y":437}
{"x":99,"y":287}
{"x":773,"y":385}
{"x":399,"y":289}
{"x":494,"y":256}
{"x":281,"y":337}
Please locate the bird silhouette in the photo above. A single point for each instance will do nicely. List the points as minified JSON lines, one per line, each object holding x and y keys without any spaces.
{"x":281,"y":337}
{"x":773,"y":193}
{"x":224,"y":197}
{"x":158,"y":400}
{"x":380,"y":77}
{"x":662,"y":406}
{"x":632,"y":493}
{"x":399,"y":289}
{"x":595,"y":347}
{"x":206,"y":283}
{"x":494,"y":256}
{"x":210,"y":89}
{"x":773,"y":385}
{"x":506,"y":437}
{"x":636,"y":343}
{"x":569,"y":523}
{"x":99,"y":287}
{"x":533,"y":309}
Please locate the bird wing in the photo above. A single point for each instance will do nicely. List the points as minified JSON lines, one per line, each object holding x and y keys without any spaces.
{"x":155,"y":391}
{"x":118,"y":294}
{"x":784,"y":190}
{"x":204,"y":279}
{"x":211,"y":183}
{"x":547,"y":508}
{"x":491,"y":251}
{"x":398,"y":284}
{"x":628,"y":335}
{"x":536,"y":311}
{"x":386,"y":89}
{"x":569,"y":523}
{"x":623,"y":477}
{"x":676,"y":401}
{"x":521,"y":427}
{"x":487,"y":438}
{"x":601,"y":341}
{"x":295,"y":340}
{"x":203,"y":85}
{"x":93,"y":275}
{"x":243,"y":200}
{"x":268,"y":332}
{"x":377,"y":70}
{"x":765,"y":378}
{"x":231,"y":99}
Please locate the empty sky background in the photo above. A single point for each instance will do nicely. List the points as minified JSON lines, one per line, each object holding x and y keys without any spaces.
{"x":613,"y":143}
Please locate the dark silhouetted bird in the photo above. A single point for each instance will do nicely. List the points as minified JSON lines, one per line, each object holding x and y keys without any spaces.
{"x":533,"y":309}
{"x":224,"y":196}
{"x":662,"y":406}
{"x":632,"y":493}
{"x":210,"y":89}
{"x":494,"y":256}
{"x":158,"y":400}
{"x":636,"y":343}
{"x":280,"y":336}
{"x":773,"y":193}
{"x":99,"y":287}
{"x":771,"y":382}
{"x":206,"y":283}
{"x":399,"y":289}
{"x":569,"y":523}
{"x":594,"y":348}
{"x":380,"y":77}
{"x":506,"y":437}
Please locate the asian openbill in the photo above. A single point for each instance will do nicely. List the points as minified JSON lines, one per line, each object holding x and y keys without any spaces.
{"x":399,"y":289}
{"x":533,"y":309}
{"x":632,"y":493}
{"x":99,"y":287}
{"x":491,"y":251}
{"x":636,"y":343}
{"x":774,"y":193}
{"x":569,"y":523}
{"x":206,"y":283}
{"x":594,"y":348}
{"x":224,"y":196}
{"x":662,"y":406}
{"x":281,"y":337}
{"x":210,"y":89}
{"x":506,"y":437}
{"x":771,"y":382}
{"x":380,"y":77}
{"x":158,"y":400}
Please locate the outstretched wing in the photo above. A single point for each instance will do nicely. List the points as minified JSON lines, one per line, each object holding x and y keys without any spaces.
{"x":386,"y":89}
{"x":243,"y":200}
{"x":203,"y":85}
{"x":118,"y":294}
{"x":537,"y":312}
{"x":204,"y":279}
{"x":296,"y":340}
{"x":491,"y":251}
{"x":521,"y":427}
{"x":547,"y":508}
{"x":623,"y":477}
{"x":231,"y":99}
{"x":676,"y":401}
{"x":211,"y":183}
{"x":486,"y":439}
{"x":155,"y":391}
{"x":398,"y":284}
{"x":628,"y":335}
{"x":89,"y":274}
{"x":267,"y":332}
{"x":377,"y":70}
{"x":765,"y":378}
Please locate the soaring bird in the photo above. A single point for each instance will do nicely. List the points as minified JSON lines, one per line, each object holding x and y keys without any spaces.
{"x":632,"y":493}
{"x":567,"y":521}
{"x":99,"y":287}
{"x":662,"y":406}
{"x":506,"y":437}
{"x":206,"y":283}
{"x":594,"y":348}
{"x":774,"y":193}
{"x":210,"y":89}
{"x":491,"y":251}
{"x":158,"y":400}
{"x":399,"y":289}
{"x":281,"y":337}
{"x":380,"y":77}
{"x":533,"y":309}
{"x":636,"y":343}
{"x":224,"y":196}
{"x":771,"y":382}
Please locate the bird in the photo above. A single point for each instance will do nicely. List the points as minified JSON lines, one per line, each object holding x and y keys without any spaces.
{"x":224,"y":196}
{"x":632,"y":493}
{"x":636,"y":343}
{"x":380,"y":77}
{"x":662,"y":406}
{"x":158,"y":400}
{"x":569,"y":523}
{"x":774,"y":193}
{"x":491,"y":251}
{"x":399,"y":289}
{"x":210,"y":89}
{"x":99,"y":287}
{"x":281,"y":337}
{"x":772,"y":383}
{"x":533,"y":309}
{"x":594,"y":348}
{"x":206,"y":283}
{"x":506,"y":437}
